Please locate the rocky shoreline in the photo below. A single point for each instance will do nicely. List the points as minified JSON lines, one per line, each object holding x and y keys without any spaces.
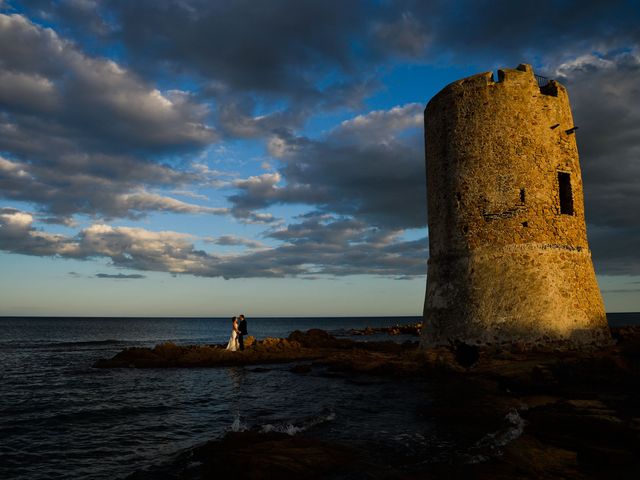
{"x":553,"y":413}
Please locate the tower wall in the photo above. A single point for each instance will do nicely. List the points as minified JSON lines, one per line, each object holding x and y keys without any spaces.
{"x":508,"y":252}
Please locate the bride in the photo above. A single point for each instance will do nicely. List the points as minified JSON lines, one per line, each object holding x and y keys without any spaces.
{"x":232,"y":346}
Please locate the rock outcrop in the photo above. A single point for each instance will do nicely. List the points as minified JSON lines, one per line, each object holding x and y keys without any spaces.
{"x":515,"y":412}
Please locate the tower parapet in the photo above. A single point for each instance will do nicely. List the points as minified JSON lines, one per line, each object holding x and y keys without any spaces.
{"x":509,"y":258}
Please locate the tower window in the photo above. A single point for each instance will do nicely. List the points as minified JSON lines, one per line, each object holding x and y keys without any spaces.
{"x":523,"y":196}
{"x":566,"y":196}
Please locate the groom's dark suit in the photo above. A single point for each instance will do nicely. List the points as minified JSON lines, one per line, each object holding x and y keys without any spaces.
{"x":242,"y":326}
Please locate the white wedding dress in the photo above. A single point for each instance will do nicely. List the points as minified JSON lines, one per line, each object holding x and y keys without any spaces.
{"x":232,"y":346}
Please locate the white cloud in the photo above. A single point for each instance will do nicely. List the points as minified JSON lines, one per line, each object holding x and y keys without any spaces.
{"x":80,"y":133}
{"x":16,"y":220}
{"x":370,"y":167}
{"x":144,"y":201}
{"x":380,"y":126}
{"x":318,"y":245}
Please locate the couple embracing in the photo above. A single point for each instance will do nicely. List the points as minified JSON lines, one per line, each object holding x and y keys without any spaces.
{"x":236,"y":342}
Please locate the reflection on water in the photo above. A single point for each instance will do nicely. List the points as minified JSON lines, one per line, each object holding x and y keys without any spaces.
{"x":238,"y":377}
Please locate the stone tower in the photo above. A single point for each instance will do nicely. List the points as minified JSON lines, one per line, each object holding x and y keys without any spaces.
{"x":509,"y":259}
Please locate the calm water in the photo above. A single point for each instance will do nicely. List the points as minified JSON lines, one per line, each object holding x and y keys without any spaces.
{"x":61,"y":418}
{"x":622,"y":319}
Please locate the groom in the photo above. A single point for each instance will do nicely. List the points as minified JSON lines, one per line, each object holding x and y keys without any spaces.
{"x":242,"y":326}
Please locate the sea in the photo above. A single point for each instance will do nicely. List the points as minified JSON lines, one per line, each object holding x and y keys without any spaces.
{"x":62,"y":418}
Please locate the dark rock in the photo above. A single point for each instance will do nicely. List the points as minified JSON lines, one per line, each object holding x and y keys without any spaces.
{"x":607,"y":457}
{"x":256,"y":456}
{"x":543,"y":375}
{"x":315,"y":338}
{"x":168,"y":351}
{"x":269,"y":350}
{"x":466,"y":355}
{"x":580,"y":425}
{"x":576,"y":411}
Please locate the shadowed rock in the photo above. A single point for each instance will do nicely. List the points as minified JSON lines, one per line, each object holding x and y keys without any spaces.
{"x":314,"y":344}
{"x":517,"y":413}
{"x":252,"y":455}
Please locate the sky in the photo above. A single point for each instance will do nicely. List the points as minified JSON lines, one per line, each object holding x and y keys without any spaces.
{"x":206,"y":158}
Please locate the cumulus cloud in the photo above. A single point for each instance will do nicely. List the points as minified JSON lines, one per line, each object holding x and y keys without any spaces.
{"x":299,"y":57}
{"x":236,"y":118}
{"x":274,"y":47}
{"x":307,"y":53}
{"x":83,"y":134}
{"x":291,"y":58}
{"x":18,"y":236}
{"x":289,"y":48}
{"x":94,"y":100}
{"x":144,"y":201}
{"x":380,"y":126}
{"x":503,"y":32}
{"x":609,"y":135}
{"x":371,"y":167}
{"x":318,"y":245}
{"x":65,"y":193}
{"x":601,"y":87}
{"x":322,"y":244}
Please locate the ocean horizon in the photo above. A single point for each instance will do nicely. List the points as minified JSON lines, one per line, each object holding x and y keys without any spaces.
{"x":614,"y":318}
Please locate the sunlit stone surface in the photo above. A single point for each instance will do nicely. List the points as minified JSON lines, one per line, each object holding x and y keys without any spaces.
{"x":509,"y":258}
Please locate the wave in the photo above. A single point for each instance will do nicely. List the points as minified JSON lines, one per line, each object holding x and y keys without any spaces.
{"x":237,"y":425}
{"x":491,"y":443}
{"x":292,"y":429}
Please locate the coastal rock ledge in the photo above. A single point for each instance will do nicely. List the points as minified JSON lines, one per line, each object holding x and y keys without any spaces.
{"x":570,"y":413}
